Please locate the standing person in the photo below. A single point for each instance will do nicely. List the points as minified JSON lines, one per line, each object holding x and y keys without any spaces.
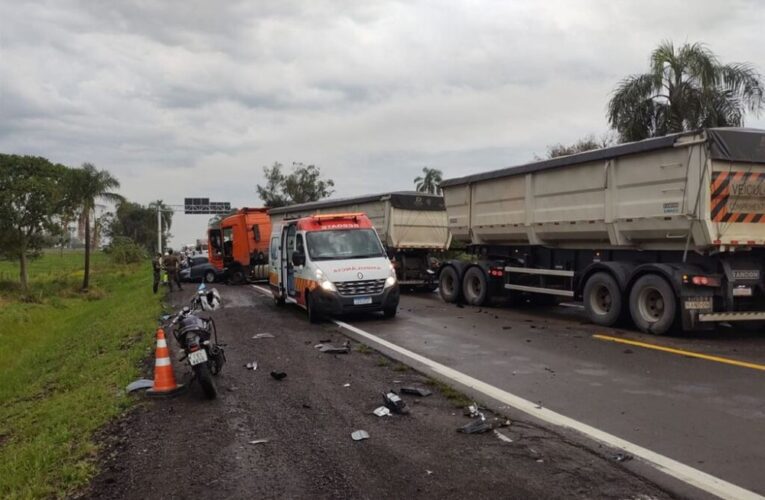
{"x":173,"y":264}
{"x":156,"y":265}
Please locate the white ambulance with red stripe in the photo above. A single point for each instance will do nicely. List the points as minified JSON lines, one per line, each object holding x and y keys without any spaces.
{"x":331,"y":264}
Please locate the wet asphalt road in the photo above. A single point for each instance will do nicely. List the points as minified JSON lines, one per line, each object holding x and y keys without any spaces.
{"x":705,"y":414}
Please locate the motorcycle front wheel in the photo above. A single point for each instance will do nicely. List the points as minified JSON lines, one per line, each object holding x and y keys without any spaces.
{"x":202,"y":372}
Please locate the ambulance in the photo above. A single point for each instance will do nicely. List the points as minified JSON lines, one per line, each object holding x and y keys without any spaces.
{"x":331,"y":264}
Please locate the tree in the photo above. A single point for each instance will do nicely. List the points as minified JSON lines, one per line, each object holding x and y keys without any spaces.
{"x":91,"y":185}
{"x":139,"y":223}
{"x":31,"y":196}
{"x":686,"y":88}
{"x":586,"y":143}
{"x":429,"y":181}
{"x":302,"y":185}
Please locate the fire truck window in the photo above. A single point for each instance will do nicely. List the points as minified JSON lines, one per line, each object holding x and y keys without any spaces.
{"x":256,"y":232}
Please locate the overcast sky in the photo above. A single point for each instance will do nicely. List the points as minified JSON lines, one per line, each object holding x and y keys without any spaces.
{"x":193,"y":98}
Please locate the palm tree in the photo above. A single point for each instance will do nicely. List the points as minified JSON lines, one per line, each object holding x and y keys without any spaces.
{"x":686,"y":88}
{"x":429,"y":181}
{"x":93,"y":184}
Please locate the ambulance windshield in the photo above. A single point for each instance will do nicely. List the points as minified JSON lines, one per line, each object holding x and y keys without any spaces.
{"x":343,"y":244}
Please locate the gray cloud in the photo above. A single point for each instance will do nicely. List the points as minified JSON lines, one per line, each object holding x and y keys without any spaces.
{"x":193,"y":98}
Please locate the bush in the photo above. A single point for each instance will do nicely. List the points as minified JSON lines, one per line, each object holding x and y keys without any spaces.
{"x":123,"y":250}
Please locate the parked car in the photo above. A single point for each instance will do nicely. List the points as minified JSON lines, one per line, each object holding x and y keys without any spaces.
{"x":199,"y":268}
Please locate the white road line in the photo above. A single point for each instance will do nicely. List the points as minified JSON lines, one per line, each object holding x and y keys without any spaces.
{"x":685,"y":473}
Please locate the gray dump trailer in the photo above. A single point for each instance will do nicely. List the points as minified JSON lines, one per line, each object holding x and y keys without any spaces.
{"x":668,"y":232}
{"x":411,"y":225}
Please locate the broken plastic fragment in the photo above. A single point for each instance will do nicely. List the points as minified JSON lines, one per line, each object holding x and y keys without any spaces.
{"x":382,"y":411}
{"x":252,"y":366}
{"x":139,"y":384}
{"x":622,"y":457}
{"x":332,"y":349}
{"x":259,"y":441}
{"x":346,"y":385}
{"x":416,"y":391}
{"x":473,"y":411}
{"x":395,"y":403}
{"x":477,"y":426}
{"x":278,"y":375}
{"x":502,"y":437}
{"x":262,"y":336}
{"x":359,"y":435}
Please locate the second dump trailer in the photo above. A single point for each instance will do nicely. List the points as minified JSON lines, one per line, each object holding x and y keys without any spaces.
{"x":412,"y":226}
{"x":667,"y":231}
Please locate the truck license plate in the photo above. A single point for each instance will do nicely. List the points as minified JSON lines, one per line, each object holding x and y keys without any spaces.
{"x":197,"y":357}
{"x":742,"y":291}
{"x":360,"y":301}
{"x":698,"y":303}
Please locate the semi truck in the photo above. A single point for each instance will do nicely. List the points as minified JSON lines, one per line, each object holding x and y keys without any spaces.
{"x":331,"y":264}
{"x":238,"y":244}
{"x":411,"y":225}
{"x":666,"y":232}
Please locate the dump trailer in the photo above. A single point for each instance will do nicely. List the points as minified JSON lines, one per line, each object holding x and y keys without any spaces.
{"x":668,"y":232}
{"x":238,"y":244}
{"x":412,"y":226}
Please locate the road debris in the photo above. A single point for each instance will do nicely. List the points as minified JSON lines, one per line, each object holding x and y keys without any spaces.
{"x":333,"y":349}
{"x":278,"y":375}
{"x":359,"y":435}
{"x":139,"y":385}
{"x":395,"y":403}
{"x":622,"y":457}
{"x":382,"y":411}
{"x":502,"y":437}
{"x":252,"y":365}
{"x":346,"y":384}
{"x":473,"y":411}
{"x":260,"y":441}
{"x":477,"y":426}
{"x":416,"y":391}
{"x":264,"y":335}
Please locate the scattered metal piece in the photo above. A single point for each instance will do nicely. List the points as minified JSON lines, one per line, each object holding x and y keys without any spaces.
{"x":278,"y":375}
{"x":473,"y":411}
{"x":263,"y":336}
{"x":416,"y":391}
{"x":346,"y":385}
{"x":395,"y":403}
{"x":252,"y":365}
{"x":359,"y":435}
{"x":382,"y":411}
{"x":139,"y":385}
{"x":502,"y":437}
{"x":260,"y":441}
{"x":622,"y":457}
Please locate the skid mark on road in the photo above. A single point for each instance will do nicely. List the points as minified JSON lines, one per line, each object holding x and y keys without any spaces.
{"x":681,"y":352}
{"x":689,"y":475}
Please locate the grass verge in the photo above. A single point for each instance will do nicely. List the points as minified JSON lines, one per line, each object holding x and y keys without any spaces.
{"x":65,"y":359}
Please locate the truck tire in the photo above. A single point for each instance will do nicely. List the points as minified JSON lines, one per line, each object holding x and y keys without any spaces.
{"x":449,"y":284}
{"x":603,"y":300}
{"x":237,"y":277}
{"x":475,"y":287}
{"x":653,"y":305}
{"x":310,"y":307}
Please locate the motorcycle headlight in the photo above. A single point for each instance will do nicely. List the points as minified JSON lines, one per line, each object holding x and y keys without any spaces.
{"x":391,"y":279}
{"x":325,"y":284}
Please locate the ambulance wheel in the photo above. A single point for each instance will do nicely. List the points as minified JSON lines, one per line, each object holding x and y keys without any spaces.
{"x":310,"y":305}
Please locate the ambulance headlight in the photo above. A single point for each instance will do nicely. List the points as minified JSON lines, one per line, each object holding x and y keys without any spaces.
{"x":391,"y":279}
{"x":324,"y":283}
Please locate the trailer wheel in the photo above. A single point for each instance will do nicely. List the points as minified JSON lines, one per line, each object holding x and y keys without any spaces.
{"x":475,"y":287}
{"x":653,"y":305}
{"x":449,"y":284}
{"x":603,"y":299}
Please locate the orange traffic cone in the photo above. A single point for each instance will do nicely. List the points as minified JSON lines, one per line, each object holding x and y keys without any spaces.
{"x":164,"y":378}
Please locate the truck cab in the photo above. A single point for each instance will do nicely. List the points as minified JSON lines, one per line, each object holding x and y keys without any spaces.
{"x":238,"y":244}
{"x":332,"y":264}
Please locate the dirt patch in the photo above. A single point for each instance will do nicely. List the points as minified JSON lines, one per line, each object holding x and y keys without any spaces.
{"x":190,"y":447}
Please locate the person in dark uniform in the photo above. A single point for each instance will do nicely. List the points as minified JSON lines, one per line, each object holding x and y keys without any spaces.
{"x":173,"y":266}
{"x":156,"y":265}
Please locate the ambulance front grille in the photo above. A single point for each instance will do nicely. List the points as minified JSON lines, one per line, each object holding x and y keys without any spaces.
{"x":361,"y":287}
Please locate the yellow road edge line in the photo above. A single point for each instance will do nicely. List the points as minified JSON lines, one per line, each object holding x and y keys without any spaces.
{"x":672,"y":350}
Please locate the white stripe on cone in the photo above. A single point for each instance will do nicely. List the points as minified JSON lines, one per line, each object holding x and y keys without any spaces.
{"x":162,"y":362}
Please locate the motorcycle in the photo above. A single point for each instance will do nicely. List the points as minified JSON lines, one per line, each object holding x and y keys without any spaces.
{"x":198,"y":337}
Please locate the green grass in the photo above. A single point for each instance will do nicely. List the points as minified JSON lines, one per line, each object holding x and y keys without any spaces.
{"x":458,"y":399}
{"x":65,"y":359}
